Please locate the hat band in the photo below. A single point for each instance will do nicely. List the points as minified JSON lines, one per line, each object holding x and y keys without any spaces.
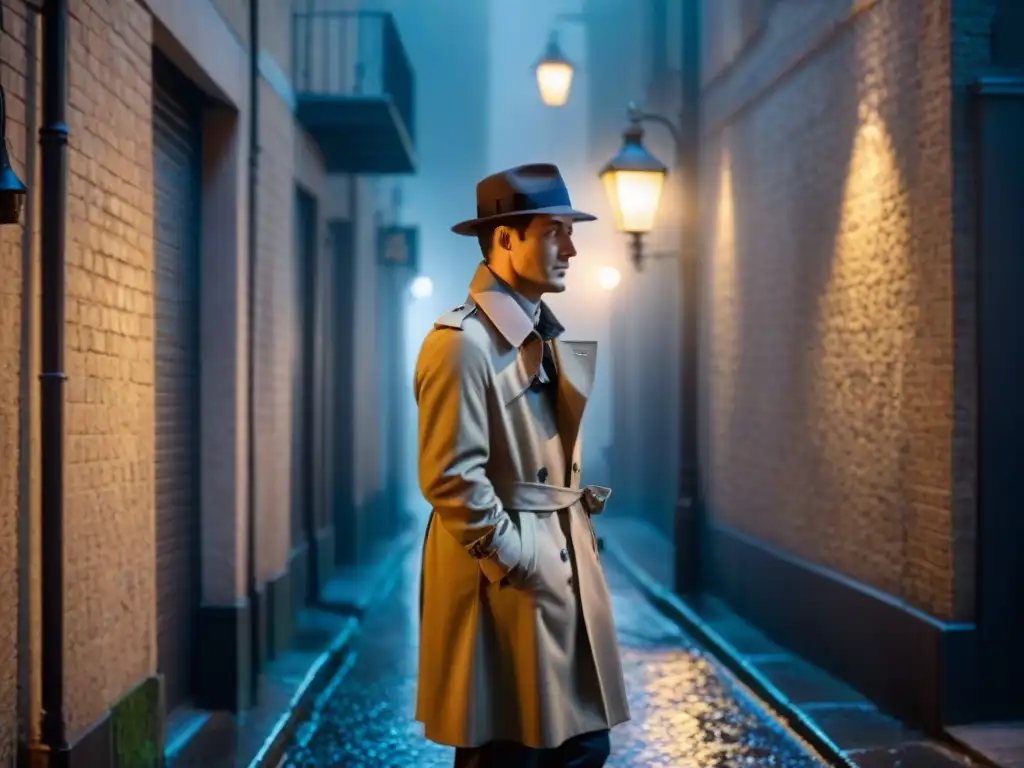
{"x":519,"y":202}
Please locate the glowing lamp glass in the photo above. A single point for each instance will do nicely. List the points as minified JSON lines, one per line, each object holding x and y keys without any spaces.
{"x":634,"y":197}
{"x":608,"y":278}
{"x":554,"y":80}
{"x":422,"y":287}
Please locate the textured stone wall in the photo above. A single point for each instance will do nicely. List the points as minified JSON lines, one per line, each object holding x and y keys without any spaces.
{"x":14,"y":70}
{"x":830,"y":338}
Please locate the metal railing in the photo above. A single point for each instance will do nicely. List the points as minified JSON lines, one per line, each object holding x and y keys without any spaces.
{"x":352,"y":53}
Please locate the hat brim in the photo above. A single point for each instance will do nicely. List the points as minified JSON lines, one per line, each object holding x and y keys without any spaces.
{"x":470,"y":226}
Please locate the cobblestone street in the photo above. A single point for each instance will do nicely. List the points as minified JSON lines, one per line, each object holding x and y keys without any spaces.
{"x":687,"y":711}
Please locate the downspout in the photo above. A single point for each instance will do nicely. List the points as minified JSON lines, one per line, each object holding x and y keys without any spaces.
{"x":254,"y":137}
{"x":690,"y":512}
{"x":53,"y":138}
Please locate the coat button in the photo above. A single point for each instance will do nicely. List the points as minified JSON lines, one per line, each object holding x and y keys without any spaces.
{"x":565,"y":555}
{"x":542,"y":475}
{"x":575,"y":467}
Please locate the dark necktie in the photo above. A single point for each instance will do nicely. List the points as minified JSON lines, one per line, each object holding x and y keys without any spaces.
{"x":550,"y":370}
{"x":549,"y":364}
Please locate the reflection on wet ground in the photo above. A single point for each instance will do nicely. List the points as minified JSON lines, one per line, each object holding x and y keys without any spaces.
{"x":687,"y":711}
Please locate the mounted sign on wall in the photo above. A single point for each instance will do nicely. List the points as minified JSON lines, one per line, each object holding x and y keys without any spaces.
{"x":398,"y":246}
{"x":12,"y":191}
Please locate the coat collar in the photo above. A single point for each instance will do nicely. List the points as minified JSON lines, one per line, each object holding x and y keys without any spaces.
{"x":510,"y":312}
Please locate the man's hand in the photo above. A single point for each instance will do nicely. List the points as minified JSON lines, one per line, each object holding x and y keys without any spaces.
{"x":594,"y":498}
{"x":516,"y":577}
{"x":451,"y":386}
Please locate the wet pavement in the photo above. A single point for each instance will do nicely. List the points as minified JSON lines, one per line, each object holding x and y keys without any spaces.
{"x":688,"y":712}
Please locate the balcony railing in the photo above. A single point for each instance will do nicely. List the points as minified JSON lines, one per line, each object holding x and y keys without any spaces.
{"x":355,"y":57}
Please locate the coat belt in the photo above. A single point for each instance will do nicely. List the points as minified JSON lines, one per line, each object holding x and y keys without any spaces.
{"x":526,"y":497}
{"x":541,"y":497}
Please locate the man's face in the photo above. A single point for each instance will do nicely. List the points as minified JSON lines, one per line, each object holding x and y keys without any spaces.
{"x":541,"y":257}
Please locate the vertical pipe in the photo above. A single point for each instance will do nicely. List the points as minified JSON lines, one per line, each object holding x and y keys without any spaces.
{"x":254,"y":138}
{"x":307,"y":48}
{"x":690,"y":505}
{"x":308,"y":290}
{"x":53,"y":138}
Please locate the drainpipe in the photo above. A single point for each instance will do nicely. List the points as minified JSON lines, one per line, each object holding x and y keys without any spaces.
{"x":53,"y":137}
{"x":254,"y":137}
{"x":690,"y":512}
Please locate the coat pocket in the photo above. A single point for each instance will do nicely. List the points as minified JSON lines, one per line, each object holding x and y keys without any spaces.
{"x":528,"y":537}
{"x":522,"y":575}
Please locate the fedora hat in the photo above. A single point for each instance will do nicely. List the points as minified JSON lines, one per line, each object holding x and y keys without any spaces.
{"x":521,"y":191}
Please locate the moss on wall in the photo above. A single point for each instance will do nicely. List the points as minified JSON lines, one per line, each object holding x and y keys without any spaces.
{"x":137,"y":724}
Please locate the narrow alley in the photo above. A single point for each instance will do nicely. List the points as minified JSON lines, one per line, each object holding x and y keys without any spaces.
{"x":687,"y":710}
{"x":234,"y":237}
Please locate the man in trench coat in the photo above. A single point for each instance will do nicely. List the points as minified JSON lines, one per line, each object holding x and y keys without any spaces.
{"x":518,"y":661}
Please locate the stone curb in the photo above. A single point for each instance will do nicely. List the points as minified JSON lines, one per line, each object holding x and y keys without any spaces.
{"x":675,"y":609}
{"x":327,"y":666}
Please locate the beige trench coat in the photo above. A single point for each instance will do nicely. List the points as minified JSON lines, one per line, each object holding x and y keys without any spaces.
{"x":530,"y":657}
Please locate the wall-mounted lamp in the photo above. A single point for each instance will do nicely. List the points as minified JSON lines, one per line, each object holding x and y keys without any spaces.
{"x":554,"y":71}
{"x":12,"y":191}
{"x":554,"y":74}
{"x":634,"y":180}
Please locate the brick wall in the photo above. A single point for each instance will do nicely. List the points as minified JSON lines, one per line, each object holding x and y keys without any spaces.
{"x":368,"y":475}
{"x":109,"y":526}
{"x":14,"y":70}
{"x":109,"y":521}
{"x":828,"y":187}
{"x":275,"y":323}
{"x":275,"y":332}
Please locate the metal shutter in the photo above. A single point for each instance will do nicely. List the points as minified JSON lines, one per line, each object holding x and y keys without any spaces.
{"x":176,"y":187}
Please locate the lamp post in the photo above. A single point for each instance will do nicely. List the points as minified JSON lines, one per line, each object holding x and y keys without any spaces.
{"x":634,"y":180}
{"x":12,"y":191}
{"x":554,"y":71}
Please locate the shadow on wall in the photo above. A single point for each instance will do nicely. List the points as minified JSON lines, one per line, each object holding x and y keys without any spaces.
{"x":827,"y":281}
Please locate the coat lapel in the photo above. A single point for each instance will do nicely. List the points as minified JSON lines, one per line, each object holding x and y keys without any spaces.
{"x":577,"y":361}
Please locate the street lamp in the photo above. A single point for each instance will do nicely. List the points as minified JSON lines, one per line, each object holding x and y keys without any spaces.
{"x":421,"y":288}
{"x":554,"y":74}
{"x":635,"y":199}
{"x":12,"y":191}
{"x":634,"y":180}
{"x":555,"y":71}
{"x":608,"y":278}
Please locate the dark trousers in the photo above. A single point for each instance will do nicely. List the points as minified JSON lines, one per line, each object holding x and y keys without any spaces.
{"x":589,"y":750}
